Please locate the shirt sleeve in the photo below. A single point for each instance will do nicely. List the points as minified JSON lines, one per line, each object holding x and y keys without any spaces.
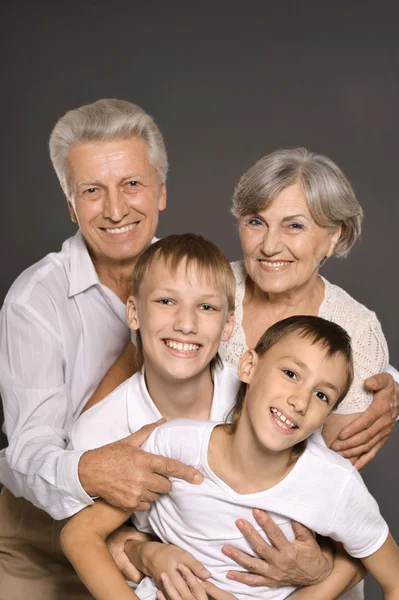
{"x":395,"y":374}
{"x":370,"y":356}
{"x":357,"y":522}
{"x":37,"y":411}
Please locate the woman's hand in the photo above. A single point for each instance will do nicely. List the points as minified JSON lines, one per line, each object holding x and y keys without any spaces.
{"x":199,"y":590}
{"x":174,"y":571}
{"x":366,"y":435}
{"x":301,"y":562}
{"x":116,"y":546}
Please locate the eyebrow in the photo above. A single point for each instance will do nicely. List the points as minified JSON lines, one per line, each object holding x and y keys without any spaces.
{"x":130,"y":176}
{"x":290,"y":217}
{"x":202,"y":297}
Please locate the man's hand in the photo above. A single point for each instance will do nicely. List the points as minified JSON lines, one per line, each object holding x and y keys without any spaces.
{"x":126,"y":476}
{"x":301,"y":562}
{"x":366,"y":435}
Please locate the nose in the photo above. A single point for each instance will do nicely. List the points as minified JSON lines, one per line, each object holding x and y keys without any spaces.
{"x":272,"y":242}
{"x":115,"y":206}
{"x":299,"y":401}
{"x":186,"y":320}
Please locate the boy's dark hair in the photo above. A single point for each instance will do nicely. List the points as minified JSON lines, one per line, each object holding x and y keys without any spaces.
{"x":191,"y":249}
{"x":327,"y":334}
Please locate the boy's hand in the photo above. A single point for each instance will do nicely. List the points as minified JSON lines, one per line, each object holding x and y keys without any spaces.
{"x":301,"y":562}
{"x":126,"y":476}
{"x":365,"y":436}
{"x":116,"y":546}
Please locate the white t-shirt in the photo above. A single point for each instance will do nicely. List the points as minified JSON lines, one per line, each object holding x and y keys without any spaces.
{"x":130,"y":407}
{"x":323,"y":491}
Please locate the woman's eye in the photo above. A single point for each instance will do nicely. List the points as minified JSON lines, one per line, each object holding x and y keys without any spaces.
{"x":255,"y":222}
{"x":295,"y":226}
{"x":322,"y":396}
{"x":290,"y":374}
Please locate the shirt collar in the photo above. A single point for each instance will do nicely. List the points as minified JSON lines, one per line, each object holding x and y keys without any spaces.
{"x":82,"y":273}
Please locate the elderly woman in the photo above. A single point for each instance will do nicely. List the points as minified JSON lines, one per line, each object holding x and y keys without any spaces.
{"x":295,"y":209}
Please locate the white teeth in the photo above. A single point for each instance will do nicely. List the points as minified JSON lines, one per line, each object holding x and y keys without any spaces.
{"x":283,"y":421}
{"x":274,"y":263}
{"x":121,"y":229}
{"x":180,"y":347}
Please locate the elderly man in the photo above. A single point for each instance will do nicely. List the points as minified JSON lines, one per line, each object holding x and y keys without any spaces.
{"x":63,"y":326}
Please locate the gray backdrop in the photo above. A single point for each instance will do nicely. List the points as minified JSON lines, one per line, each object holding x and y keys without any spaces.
{"x":227,"y":84}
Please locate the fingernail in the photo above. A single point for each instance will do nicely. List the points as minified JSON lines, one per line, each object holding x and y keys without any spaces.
{"x":198,"y":478}
{"x":204,"y":573}
{"x":257,"y":512}
{"x":336,"y":446}
{"x":230,"y":576}
{"x":372,"y":381}
{"x":226,"y":550}
{"x":240,"y":523}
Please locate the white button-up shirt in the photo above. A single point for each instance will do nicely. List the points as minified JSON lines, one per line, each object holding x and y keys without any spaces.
{"x":60,"y":331}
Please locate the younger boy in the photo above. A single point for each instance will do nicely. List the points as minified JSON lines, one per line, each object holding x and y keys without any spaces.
{"x":300,"y":370}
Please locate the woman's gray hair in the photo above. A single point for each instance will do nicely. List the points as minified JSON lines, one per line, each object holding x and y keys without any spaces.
{"x":329,"y":195}
{"x":103,"y":120}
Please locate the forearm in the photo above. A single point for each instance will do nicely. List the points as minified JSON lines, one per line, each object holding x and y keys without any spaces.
{"x":46,"y":476}
{"x":346,"y":573}
{"x":124,"y":367}
{"x":89,"y":556}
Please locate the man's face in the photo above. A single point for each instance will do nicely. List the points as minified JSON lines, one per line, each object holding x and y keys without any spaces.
{"x":291,"y":390}
{"x":116,"y":198}
{"x":182,"y":319}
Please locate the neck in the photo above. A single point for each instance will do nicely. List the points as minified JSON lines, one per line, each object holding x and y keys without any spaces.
{"x":305,"y":299}
{"x":181,"y":399}
{"x":244,"y":464}
{"x":116,"y":276}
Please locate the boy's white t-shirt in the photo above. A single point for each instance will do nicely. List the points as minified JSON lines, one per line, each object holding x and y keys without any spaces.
{"x":129,"y":407}
{"x":323,"y":491}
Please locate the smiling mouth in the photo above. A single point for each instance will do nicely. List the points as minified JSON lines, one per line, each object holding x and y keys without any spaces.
{"x":119,"y":230}
{"x":275,"y":264}
{"x":185,"y":347}
{"x":281,"y":420}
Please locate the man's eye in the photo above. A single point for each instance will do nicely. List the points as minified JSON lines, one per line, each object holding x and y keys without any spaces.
{"x":92,"y":190}
{"x":322,"y":396}
{"x":132,"y":183}
{"x":290,"y":374}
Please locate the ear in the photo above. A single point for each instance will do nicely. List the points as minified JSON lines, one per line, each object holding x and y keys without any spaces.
{"x":247,"y":366}
{"x":228,"y":327}
{"x":72,"y":212}
{"x":131,"y":313}
{"x":162,"y":197}
{"x":336,"y":234}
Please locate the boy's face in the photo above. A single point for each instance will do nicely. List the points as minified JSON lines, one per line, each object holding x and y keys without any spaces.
{"x":292,"y":389}
{"x":182,"y":320}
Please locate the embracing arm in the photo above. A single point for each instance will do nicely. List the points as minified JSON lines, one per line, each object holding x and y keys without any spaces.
{"x":124,"y":367}
{"x":384,"y":567}
{"x":83,"y":542}
{"x":37,"y":412}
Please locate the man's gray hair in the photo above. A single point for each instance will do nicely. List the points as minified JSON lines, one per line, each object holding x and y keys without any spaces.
{"x":105,"y":120}
{"x":329,"y":195}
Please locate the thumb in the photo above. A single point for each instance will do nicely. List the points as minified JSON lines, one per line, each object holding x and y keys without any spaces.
{"x":378,"y":382}
{"x":138,"y":438}
{"x":302,"y":533}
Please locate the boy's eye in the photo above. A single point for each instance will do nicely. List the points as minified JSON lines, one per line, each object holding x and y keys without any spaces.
{"x":322,"y":396}
{"x":164,"y":301}
{"x":290,"y":374}
{"x":207,"y":307}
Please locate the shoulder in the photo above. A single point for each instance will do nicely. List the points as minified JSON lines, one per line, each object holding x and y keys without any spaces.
{"x":182,"y":439}
{"x":318,"y":453}
{"x":344,"y":308}
{"x":47,"y":277}
{"x":239,"y":272}
{"x":107,"y":421}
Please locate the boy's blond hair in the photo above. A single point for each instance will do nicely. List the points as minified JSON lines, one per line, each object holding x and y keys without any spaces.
{"x":192,"y":250}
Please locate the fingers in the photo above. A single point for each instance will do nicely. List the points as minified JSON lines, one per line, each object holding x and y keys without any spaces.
{"x":378,"y":382}
{"x":364,"y":459}
{"x":139,"y":437}
{"x":273,"y":532}
{"x":128,"y":570}
{"x":302,"y":533}
{"x":251,"y":564}
{"x":182,"y":585}
{"x":360,"y":424}
{"x":362,"y":449}
{"x":250,"y":579}
{"x":174,"y":468}
{"x":216,"y":593}
{"x":192,"y":582}
{"x":195,"y":566}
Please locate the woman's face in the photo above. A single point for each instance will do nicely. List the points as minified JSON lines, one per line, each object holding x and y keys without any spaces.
{"x":283,"y":246}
